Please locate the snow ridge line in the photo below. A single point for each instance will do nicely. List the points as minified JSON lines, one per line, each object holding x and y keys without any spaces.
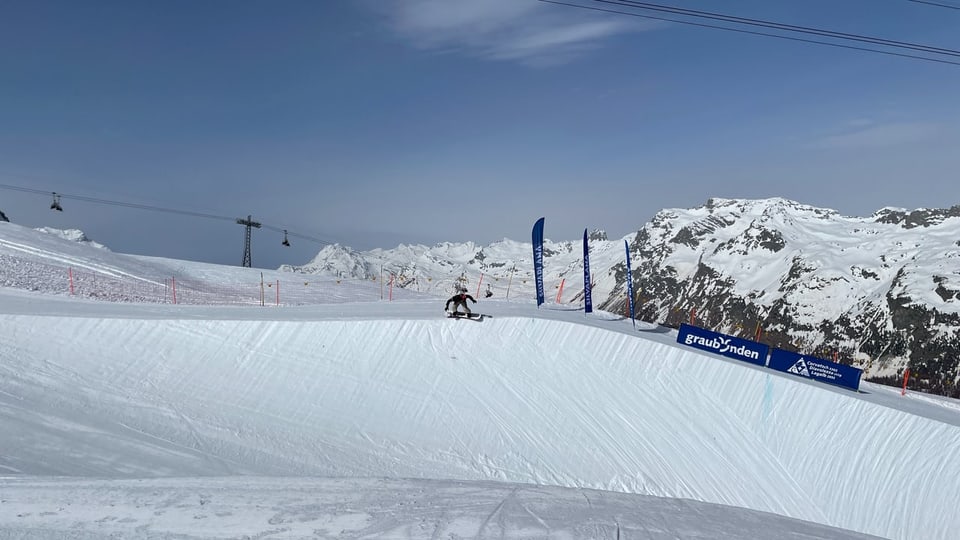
{"x":72,"y":261}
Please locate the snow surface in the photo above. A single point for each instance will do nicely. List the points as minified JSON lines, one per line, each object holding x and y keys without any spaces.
{"x":257,"y":507}
{"x":384,"y":419}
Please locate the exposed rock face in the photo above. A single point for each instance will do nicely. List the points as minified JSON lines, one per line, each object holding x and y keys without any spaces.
{"x":597,"y":234}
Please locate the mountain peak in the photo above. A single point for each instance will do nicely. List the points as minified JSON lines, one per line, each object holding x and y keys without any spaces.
{"x":73,"y":235}
{"x":765,"y":207}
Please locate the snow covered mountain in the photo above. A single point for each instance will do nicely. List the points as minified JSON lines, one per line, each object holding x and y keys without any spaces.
{"x":878,"y":292}
{"x":504,"y":267}
{"x":881,"y":293}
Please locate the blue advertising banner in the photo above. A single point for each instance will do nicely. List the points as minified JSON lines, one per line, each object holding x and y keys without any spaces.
{"x":587,"y":297}
{"x":722,"y":344}
{"x":815,"y":368}
{"x":538,"y":258}
{"x":630,"y":284}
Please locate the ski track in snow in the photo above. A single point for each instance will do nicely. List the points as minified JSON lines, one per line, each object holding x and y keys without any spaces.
{"x":249,"y":507}
{"x":76,"y":262}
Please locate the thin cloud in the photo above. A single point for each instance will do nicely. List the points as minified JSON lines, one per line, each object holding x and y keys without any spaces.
{"x":513,"y":30}
{"x":860,"y":123}
{"x":880,"y":136}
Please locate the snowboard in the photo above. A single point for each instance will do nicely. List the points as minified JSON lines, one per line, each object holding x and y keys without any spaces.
{"x":472,"y":316}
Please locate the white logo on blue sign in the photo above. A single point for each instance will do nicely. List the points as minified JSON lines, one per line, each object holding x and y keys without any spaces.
{"x":721,"y":345}
{"x":800,"y":368}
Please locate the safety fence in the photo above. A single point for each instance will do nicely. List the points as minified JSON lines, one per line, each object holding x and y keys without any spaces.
{"x":116,"y":286}
{"x":88,"y":279}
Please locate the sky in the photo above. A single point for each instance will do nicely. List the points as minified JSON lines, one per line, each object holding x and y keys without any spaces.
{"x":373,"y":123}
{"x":153,"y":419}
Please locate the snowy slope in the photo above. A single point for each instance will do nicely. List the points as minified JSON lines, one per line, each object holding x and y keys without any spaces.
{"x":517,"y":398}
{"x":145,"y":394}
{"x":257,"y":507}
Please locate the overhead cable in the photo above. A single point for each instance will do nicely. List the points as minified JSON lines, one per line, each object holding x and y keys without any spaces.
{"x":59,"y":195}
{"x":752,"y":32}
{"x":781,"y":26}
{"x":938,"y":4}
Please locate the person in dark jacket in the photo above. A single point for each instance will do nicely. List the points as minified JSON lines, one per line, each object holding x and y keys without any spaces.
{"x":459,"y":299}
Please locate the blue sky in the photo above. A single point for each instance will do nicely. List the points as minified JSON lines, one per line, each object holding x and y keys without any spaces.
{"x":375,"y":122}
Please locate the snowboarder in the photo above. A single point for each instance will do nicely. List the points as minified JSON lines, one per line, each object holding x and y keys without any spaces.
{"x":489,"y":292}
{"x":459,"y":299}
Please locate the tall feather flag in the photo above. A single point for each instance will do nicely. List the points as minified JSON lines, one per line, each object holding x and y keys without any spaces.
{"x":587,"y":297}
{"x":538,"y":258}
{"x":630,"y":284}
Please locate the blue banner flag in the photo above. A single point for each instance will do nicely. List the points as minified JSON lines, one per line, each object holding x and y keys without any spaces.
{"x":815,"y":368}
{"x":633,"y":317}
{"x":538,"y":258}
{"x":587,"y":297}
{"x":722,"y":344}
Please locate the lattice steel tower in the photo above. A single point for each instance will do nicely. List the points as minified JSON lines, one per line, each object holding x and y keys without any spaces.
{"x":247,"y":263}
